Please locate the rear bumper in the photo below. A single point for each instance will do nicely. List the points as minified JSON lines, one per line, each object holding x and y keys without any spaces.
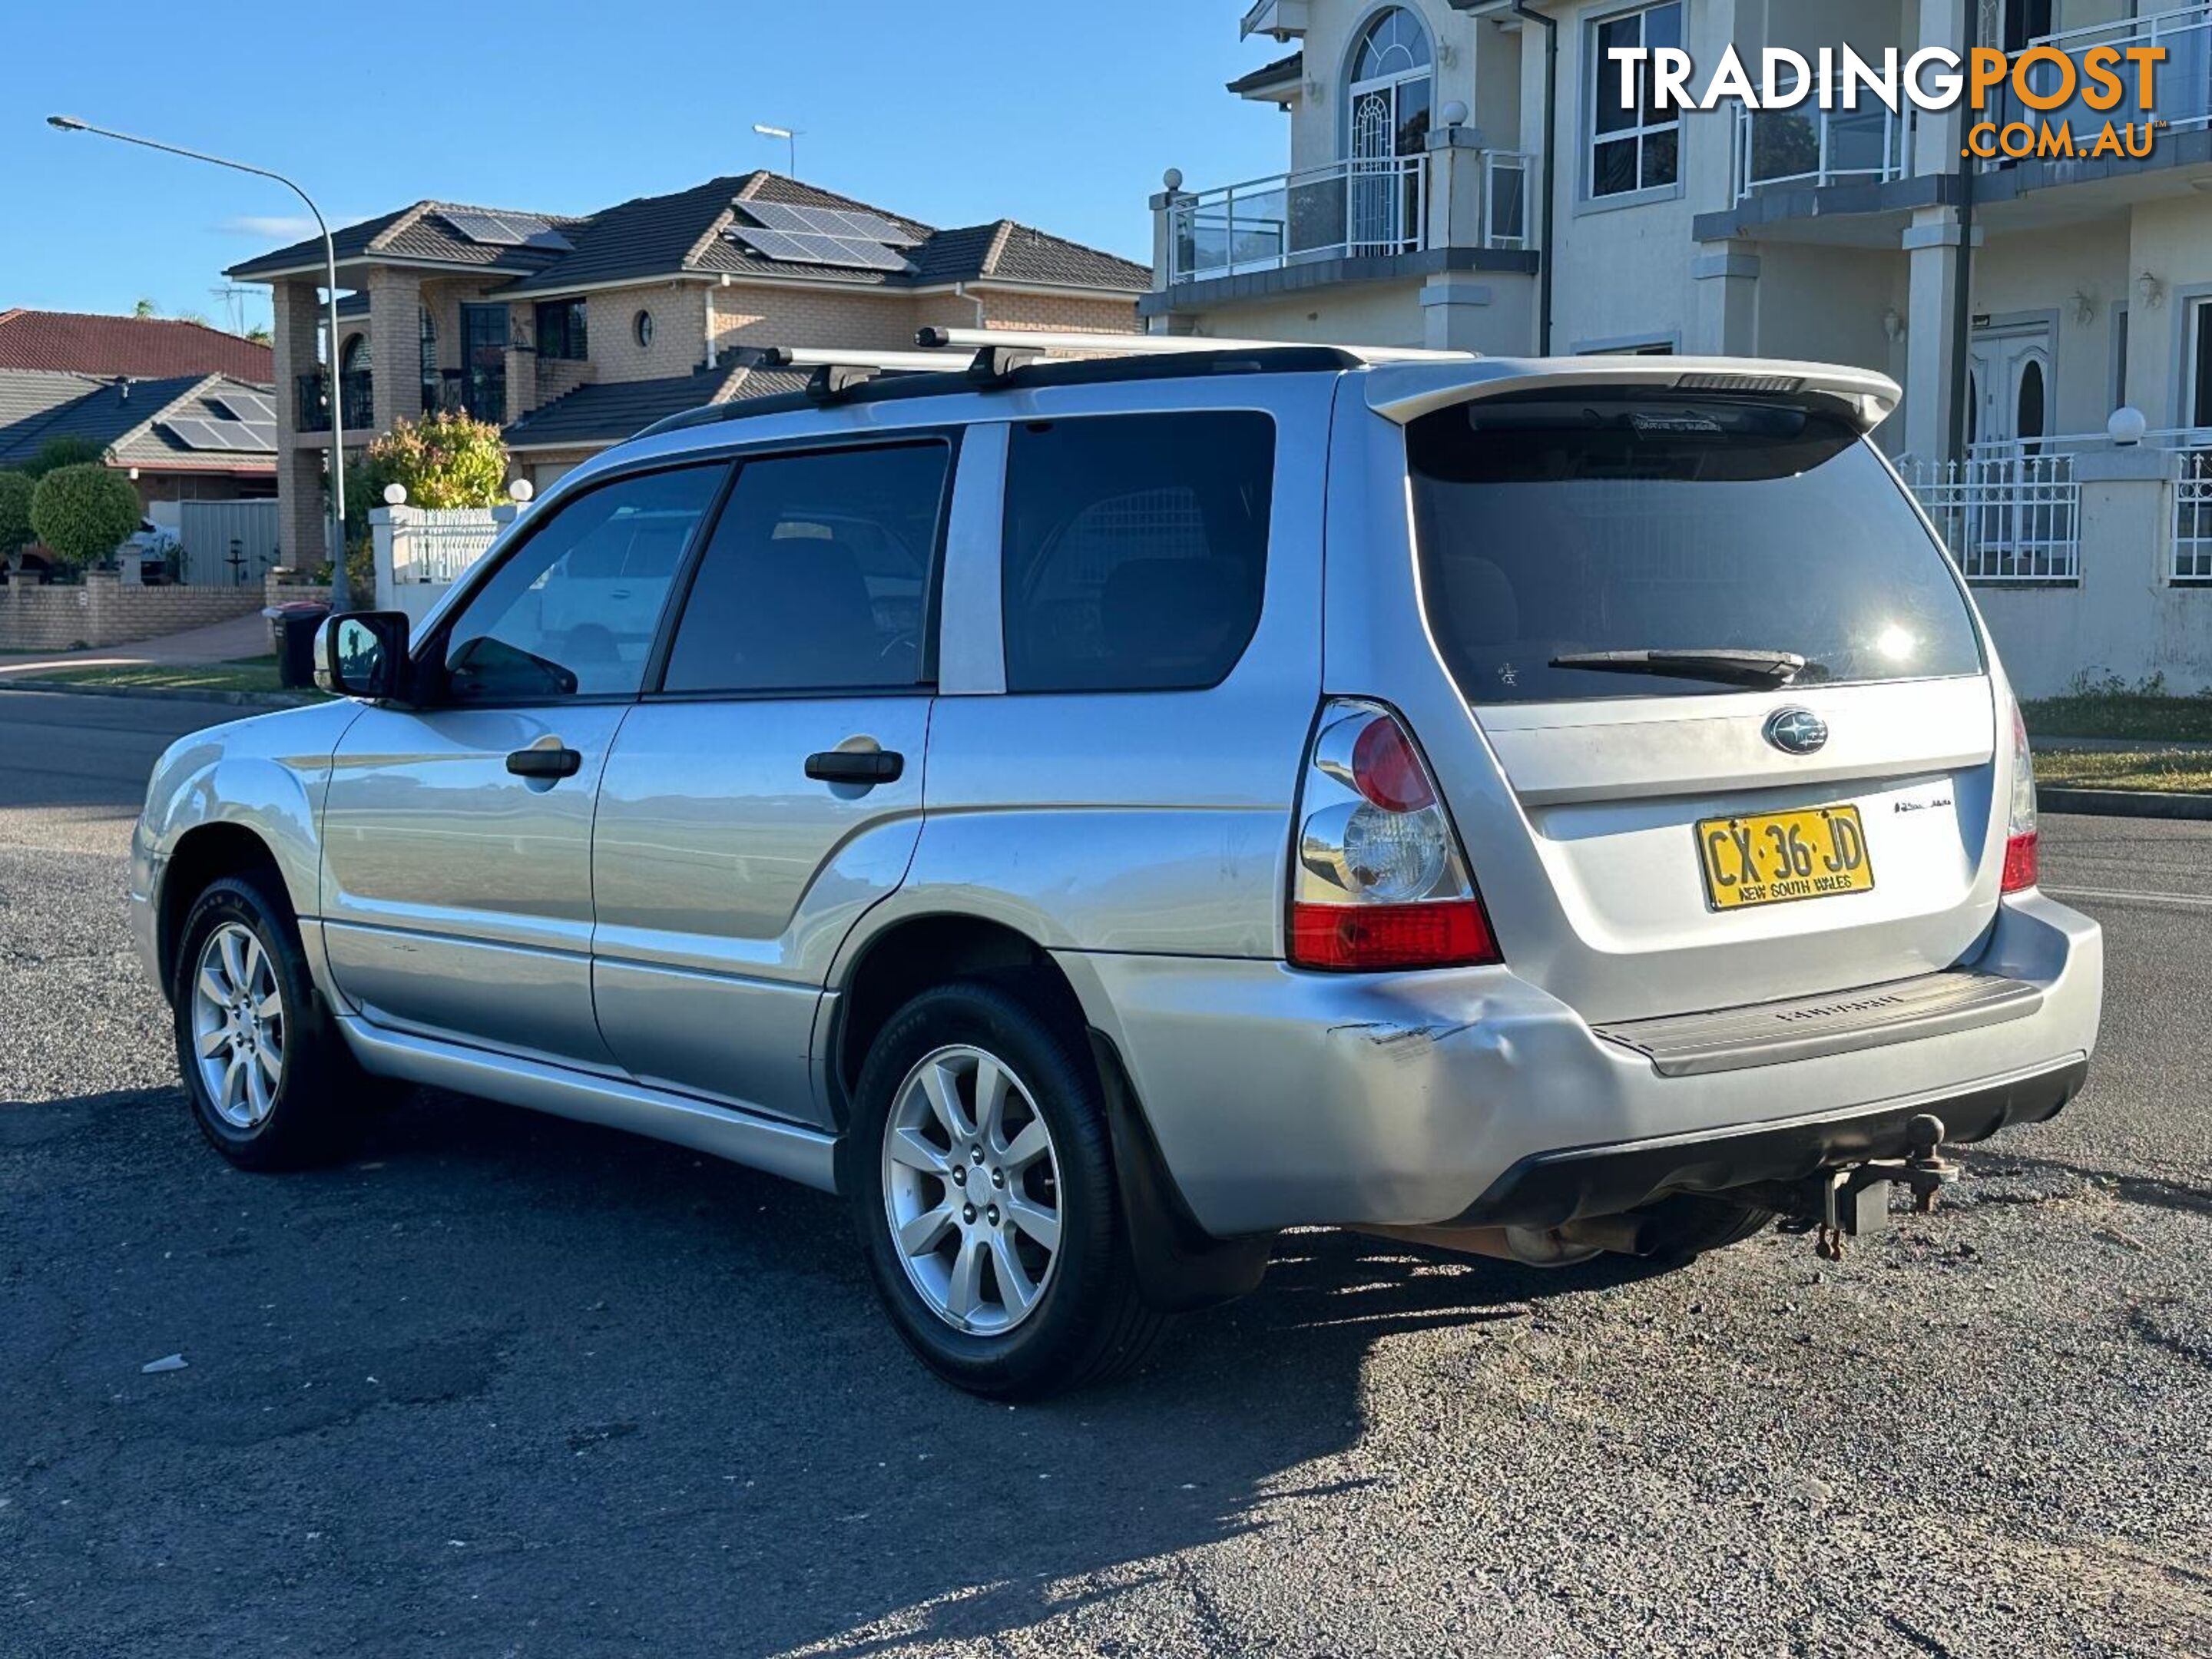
{"x":1551,"y":1188}
{"x":1281,"y":1098}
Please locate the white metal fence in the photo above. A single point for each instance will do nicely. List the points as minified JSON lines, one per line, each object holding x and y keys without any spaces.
{"x":2007,"y":516}
{"x":436,"y":545}
{"x":2193,"y":516}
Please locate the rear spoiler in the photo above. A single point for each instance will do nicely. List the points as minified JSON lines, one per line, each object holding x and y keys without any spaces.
{"x":1404,"y":392}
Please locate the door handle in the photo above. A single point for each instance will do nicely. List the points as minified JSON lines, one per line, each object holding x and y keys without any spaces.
{"x":545,"y":763}
{"x":856,"y":766}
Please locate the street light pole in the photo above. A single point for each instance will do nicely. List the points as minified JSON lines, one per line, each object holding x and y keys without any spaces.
{"x":341,"y":589}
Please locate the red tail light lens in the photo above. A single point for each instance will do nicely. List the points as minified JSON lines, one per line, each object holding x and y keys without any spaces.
{"x":1381,"y":881}
{"x":1369,"y":936}
{"x":2022,"y":858}
{"x":1385,"y":769}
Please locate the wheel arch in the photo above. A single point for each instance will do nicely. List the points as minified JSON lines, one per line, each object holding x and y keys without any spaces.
{"x":1178,"y":1265}
{"x":203,"y":855}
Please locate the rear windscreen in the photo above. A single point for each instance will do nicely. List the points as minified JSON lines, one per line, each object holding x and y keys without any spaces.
{"x":1551,"y":526}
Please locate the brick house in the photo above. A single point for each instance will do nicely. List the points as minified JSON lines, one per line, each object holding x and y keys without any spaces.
{"x":180,"y":438}
{"x":575,"y":332}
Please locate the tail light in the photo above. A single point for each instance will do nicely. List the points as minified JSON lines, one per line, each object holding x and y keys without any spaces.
{"x":1381,"y":881}
{"x":2021,"y":857}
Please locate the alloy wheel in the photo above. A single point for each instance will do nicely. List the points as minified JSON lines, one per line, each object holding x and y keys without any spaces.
{"x":238,"y":1026}
{"x":971,"y":1190}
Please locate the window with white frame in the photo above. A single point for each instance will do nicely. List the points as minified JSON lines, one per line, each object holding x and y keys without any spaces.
{"x":2196,"y":379}
{"x":1634,"y":145}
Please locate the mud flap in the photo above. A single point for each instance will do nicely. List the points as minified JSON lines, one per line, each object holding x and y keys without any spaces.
{"x":1180,"y":1267}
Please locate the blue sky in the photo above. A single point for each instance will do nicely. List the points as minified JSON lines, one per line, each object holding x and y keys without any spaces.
{"x":1059,"y":114}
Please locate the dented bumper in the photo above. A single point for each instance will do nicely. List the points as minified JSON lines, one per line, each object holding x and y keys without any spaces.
{"x":1280,"y":1099}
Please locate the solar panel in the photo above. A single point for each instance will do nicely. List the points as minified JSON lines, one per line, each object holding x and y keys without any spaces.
{"x":827,"y":221}
{"x":773,"y":215}
{"x":869,"y":256}
{"x":233,"y":435}
{"x":244,"y":406}
{"x":504,"y":229}
{"x":847,"y":252}
{"x":776,"y":245}
{"x":870,"y":227}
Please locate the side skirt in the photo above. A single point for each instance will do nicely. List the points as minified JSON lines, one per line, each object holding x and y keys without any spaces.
{"x":807,"y":1156}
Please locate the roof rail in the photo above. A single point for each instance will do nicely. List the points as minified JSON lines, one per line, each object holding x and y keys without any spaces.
{"x":1130,"y":345}
{"x":851,"y":357}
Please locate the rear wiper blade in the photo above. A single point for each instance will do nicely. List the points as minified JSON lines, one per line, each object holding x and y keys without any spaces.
{"x":1723,"y":663}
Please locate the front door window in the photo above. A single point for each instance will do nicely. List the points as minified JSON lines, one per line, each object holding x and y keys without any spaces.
{"x":1387,"y":124}
{"x":483,"y":362}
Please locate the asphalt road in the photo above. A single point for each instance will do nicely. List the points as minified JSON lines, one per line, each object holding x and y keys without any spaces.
{"x":510,"y":1385}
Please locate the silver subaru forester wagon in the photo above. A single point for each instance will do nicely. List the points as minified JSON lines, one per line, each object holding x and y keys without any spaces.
{"x":1096,"y":814}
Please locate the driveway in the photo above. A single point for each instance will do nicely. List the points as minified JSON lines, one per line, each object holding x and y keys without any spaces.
{"x":506,"y":1384}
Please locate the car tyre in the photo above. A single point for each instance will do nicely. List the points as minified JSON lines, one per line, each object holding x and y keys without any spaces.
{"x":980,"y":1173}
{"x":269,"y":1079}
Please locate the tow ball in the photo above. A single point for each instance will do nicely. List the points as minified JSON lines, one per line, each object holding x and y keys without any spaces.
{"x":1855,"y":1200}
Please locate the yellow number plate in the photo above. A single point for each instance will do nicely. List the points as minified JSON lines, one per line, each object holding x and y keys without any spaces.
{"x":1772,"y":857}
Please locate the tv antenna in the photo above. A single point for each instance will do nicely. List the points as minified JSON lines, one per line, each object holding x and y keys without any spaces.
{"x":791,"y":135}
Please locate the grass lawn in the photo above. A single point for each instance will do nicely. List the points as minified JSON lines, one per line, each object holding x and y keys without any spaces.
{"x":2107,"y":768}
{"x":2120,"y":714}
{"x":240,"y":674}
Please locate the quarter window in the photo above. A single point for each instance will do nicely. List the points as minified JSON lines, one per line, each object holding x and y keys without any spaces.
{"x":573,"y":612}
{"x":1634,"y":144}
{"x":1136,"y":549}
{"x":818,"y":575}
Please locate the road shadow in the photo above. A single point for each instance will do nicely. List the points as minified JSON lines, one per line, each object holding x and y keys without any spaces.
{"x":502,"y":1369}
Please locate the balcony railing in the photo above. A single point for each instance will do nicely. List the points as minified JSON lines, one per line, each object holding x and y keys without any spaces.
{"x":1810,"y":146}
{"x":2183,"y":85}
{"x":2192,"y":502}
{"x":356,"y":397}
{"x":1347,"y":210}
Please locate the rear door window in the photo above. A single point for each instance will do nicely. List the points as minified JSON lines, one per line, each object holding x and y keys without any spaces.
{"x":1135,"y":548}
{"x":1552,"y":527}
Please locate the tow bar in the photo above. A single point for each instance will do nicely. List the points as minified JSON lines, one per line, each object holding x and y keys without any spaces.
{"x":1845,"y":1203}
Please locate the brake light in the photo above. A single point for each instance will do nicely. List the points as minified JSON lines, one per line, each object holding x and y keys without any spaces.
{"x":1380,"y":881}
{"x":2021,"y":860}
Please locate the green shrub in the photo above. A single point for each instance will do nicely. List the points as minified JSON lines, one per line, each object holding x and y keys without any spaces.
{"x":16,"y":490}
{"x":444,"y":459}
{"x":58,"y":452}
{"x":83,"y":512}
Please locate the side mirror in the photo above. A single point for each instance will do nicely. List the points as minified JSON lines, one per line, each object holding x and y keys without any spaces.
{"x":362,"y":654}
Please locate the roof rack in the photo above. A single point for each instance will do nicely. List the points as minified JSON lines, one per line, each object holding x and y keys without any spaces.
{"x":1018,"y":358}
{"x":1122,"y":345}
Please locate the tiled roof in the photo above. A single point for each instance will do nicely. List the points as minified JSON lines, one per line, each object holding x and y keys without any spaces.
{"x":146,"y":346}
{"x":649,"y":236}
{"x":126,"y":419}
{"x":606,"y":412}
{"x":1282,"y":72}
{"x":421,"y":232}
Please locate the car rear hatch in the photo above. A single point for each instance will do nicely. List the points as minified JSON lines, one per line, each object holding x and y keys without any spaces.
{"x":1730,"y":687}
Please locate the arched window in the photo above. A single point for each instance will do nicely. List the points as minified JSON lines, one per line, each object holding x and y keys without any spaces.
{"x":1393,"y":45}
{"x":1388,"y":92}
{"x":353,"y":357}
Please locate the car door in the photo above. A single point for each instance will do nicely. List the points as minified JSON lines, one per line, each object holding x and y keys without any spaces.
{"x":770,"y":788}
{"x":457,"y":834}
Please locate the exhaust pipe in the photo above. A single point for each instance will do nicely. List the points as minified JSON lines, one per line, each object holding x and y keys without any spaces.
{"x":1565,"y":1246}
